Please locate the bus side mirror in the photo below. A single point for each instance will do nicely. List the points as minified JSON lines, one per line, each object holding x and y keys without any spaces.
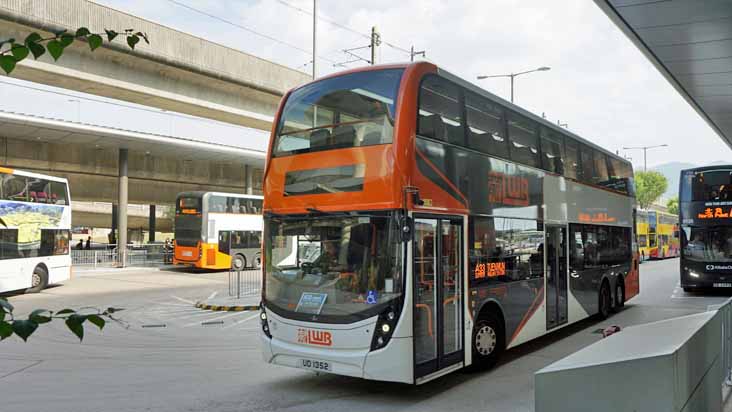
{"x":406,"y":228}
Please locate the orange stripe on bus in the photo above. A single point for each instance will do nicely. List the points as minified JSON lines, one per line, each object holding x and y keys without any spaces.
{"x":6,"y":170}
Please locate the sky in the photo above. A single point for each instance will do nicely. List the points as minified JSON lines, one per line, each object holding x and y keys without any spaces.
{"x":599,"y":84}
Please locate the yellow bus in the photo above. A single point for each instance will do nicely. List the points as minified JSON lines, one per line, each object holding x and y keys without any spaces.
{"x":658,"y":234}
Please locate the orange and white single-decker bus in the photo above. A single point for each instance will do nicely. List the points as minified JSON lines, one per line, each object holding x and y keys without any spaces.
{"x":435,"y":225}
{"x":218,"y":230}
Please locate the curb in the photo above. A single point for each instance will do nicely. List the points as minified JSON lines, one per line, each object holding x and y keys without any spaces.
{"x":226,"y":308}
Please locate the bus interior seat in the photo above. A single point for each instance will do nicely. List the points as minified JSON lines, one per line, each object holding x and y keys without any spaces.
{"x":372,"y":138}
{"x":432,"y":126}
{"x":344,"y":136}
{"x":319,"y":138}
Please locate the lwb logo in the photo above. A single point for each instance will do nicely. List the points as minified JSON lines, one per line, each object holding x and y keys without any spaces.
{"x":314,"y":337}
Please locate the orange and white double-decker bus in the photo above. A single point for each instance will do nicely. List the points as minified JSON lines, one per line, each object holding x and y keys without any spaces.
{"x":415,"y":224}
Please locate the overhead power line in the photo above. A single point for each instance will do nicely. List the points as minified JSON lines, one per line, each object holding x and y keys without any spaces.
{"x":340,"y":25}
{"x":247,"y":29}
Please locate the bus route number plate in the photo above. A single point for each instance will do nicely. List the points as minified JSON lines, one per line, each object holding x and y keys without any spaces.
{"x":316,"y":365}
{"x":723,"y":285}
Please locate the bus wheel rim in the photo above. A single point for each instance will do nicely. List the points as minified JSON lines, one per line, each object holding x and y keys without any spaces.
{"x":238,"y":262}
{"x":485,"y":340}
{"x":36,"y":279}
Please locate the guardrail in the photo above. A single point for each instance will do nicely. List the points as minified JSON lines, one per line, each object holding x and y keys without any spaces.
{"x":135,"y":256}
{"x":245,"y":282}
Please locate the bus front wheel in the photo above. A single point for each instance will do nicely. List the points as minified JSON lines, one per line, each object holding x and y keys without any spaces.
{"x":39,"y":280}
{"x":238,"y":262}
{"x":488,"y":339}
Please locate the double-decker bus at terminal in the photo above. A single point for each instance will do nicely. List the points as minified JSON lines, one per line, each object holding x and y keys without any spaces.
{"x":658,"y":234}
{"x":705,"y":213}
{"x":35,"y":230}
{"x":435,"y":225}
{"x":218,"y":230}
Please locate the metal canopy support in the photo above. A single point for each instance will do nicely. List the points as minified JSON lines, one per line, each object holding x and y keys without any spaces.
{"x":122,"y":209}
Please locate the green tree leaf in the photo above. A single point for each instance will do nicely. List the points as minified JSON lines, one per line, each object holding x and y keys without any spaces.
{"x":82,"y":32}
{"x":132,"y":41}
{"x":55,"y":48}
{"x":144,"y":36}
{"x":24,"y":328}
{"x":649,"y":187}
{"x":66,"y":40}
{"x":6,"y":305}
{"x":75,"y":326}
{"x":95,"y":41}
{"x":111,"y":34}
{"x":37,"y":50}
{"x":2,"y":314}
{"x":19,"y":52}
{"x":97,"y":320}
{"x":40,"y":316}
{"x":6,"y":330}
{"x":32,"y":38}
{"x":673,"y":205}
{"x":65,"y":312}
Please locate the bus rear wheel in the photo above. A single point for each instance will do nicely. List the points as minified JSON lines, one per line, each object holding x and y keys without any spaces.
{"x":39,"y":280}
{"x":238,"y":262}
{"x":488,"y":340}
{"x":619,"y":295}
{"x":604,"y":301}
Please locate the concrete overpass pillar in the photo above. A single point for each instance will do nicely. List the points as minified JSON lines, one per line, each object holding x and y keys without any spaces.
{"x":151,"y":224}
{"x":122,"y":208}
{"x":248,"y":179}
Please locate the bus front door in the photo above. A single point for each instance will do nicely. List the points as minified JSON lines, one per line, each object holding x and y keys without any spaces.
{"x":438,"y":299}
{"x":555,"y":250}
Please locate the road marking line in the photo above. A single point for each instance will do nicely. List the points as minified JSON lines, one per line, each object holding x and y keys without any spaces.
{"x":228,"y":315}
{"x":194,"y":315}
{"x":213,"y":294}
{"x":242,"y":321}
{"x":183,"y":300}
{"x":172,"y":304}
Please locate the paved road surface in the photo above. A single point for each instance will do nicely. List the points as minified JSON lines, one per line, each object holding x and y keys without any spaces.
{"x":187,"y":366}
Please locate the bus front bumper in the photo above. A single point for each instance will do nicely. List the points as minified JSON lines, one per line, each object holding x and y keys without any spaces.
{"x":703,"y":276}
{"x":391,"y":363}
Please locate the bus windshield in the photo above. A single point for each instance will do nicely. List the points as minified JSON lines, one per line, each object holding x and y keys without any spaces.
{"x":334,"y":269}
{"x":713,"y":185}
{"x":355,"y":109}
{"x":708,"y":244}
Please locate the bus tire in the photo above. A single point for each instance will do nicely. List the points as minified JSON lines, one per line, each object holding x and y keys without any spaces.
{"x":238,"y":262}
{"x":619,"y":295}
{"x":488,"y":341}
{"x":39,"y":280}
{"x":689,"y":290}
{"x":604,"y":299}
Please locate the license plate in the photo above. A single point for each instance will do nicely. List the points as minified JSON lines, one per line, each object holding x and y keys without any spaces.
{"x":187,"y":253}
{"x":316,"y":365}
{"x":723,"y":285}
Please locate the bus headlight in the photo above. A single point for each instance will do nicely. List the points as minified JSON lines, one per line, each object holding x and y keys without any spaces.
{"x":265,"y":324}
{"x":384,"y":328}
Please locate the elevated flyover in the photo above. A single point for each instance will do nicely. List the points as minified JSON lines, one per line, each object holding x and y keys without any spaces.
{"x":176,"y":72}
{"x":690,"y":43}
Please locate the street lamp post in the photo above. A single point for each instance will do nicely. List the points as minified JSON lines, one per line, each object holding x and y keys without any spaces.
{"x":645,"y":150}
{"x":513,"y":75}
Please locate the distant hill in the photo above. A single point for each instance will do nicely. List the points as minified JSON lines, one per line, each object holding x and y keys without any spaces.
{"x":672,"y":171}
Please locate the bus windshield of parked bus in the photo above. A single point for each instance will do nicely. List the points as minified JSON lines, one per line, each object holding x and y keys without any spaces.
{"x":708,"y":244}
{"x":714,"y":185}
{"x":352,"y":110}
{"x":336,"y":269}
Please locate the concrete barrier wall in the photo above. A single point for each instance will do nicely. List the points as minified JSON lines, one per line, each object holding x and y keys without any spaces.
{"x":670,"y":365}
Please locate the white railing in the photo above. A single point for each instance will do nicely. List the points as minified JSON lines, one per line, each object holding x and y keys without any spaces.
{"x":245,"y":282}
{"x":152,"y":255}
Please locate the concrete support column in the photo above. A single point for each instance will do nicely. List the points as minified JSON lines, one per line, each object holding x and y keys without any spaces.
{"x":151,"y":224}
{"x":122,"y":209}
{"x":248,"y":179}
